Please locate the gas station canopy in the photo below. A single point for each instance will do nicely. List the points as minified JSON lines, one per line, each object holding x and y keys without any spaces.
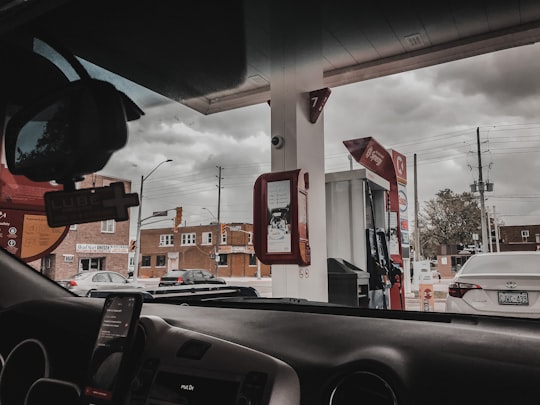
{"x":218,"y":53}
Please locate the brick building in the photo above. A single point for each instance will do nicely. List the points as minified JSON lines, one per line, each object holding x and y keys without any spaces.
{"x":92,"y":246}
{"x":519,"y":237}
{"x":194,"y":246}
{"x":511,"y":238}
{"x":450,"y":259}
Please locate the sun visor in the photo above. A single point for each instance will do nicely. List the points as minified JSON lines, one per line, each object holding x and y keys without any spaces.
{"x":26,"y":76}
{"x":181,"y":53}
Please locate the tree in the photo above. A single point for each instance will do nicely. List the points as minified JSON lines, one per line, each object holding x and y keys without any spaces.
{"x":448,"y":219}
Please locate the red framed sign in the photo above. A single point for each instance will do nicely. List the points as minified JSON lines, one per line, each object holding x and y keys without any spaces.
{"x":280,"y":228}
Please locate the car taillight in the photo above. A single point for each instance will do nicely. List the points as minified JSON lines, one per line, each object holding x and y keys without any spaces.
{"x":72,"y":283}
{"x":180,"y":280}
{"x":458,"y":290}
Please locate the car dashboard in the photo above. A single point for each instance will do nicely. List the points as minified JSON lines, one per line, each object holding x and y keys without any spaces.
{"x":273,"y":354}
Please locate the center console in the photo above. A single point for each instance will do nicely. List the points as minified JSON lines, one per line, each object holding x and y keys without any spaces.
{"x":181,"y":367}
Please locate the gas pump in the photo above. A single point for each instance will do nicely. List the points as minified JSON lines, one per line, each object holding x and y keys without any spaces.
{"x":384,"y":273}
{"x":377,"y":267}
{"x":391,"y":166}
{"x":378,"y":261}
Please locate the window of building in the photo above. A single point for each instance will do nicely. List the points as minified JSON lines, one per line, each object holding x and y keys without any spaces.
{"x":166,"y":240}
{"x":525,"y":235}
{"x":73,"y":227}
{"x":160,"y":261}
{"x":223,"y":238}
{"x":69,"y":258}
{"x":188,"y":239}
{"x":250,"y":238}
{"x":94,"y":263}
{"x":145,"y":262}
{"x":252,"y":259}
{"x":107,"y":226}
{"x":207,"y":238}
{"x":222,"y":259}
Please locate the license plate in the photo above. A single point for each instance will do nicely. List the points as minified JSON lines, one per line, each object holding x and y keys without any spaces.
{"x":513,"y":298}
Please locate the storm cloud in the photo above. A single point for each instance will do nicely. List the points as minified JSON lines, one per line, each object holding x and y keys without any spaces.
{"x":432,"y":112}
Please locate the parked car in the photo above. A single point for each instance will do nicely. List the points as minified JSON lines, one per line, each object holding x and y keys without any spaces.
{"x":497,"y":284}
{"x":189,"y":276}
{"x":86,"y":281}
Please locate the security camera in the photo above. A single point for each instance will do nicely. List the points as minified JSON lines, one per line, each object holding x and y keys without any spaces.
{"x":277,"y":141}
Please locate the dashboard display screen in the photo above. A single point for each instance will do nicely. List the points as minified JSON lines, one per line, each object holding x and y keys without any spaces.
{"x":190,"y":390}
{"x":114,"y":340}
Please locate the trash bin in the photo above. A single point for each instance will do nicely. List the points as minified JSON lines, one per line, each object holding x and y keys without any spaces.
{"x":347,"y":284}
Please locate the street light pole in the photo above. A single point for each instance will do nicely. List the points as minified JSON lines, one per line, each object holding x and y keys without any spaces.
{"x":139,"y":221}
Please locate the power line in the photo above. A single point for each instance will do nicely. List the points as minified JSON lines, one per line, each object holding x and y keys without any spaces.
{"x":518,"y":196}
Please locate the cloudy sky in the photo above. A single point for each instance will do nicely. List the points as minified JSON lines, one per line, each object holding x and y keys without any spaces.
{"x":432,"y":112}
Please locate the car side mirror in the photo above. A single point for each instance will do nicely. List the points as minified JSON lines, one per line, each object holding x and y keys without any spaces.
{"x":67,"y":134}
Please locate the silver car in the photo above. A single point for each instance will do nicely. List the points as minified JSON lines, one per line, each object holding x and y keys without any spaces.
{"x":84,"y":282}
{"x":497,"y":284}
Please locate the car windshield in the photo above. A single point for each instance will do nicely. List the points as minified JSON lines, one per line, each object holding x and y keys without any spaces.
{"x":402,"y":197}
{"x":503,"y":264}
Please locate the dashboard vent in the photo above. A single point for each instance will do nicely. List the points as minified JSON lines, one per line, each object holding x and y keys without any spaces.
{"x":363,"y":387}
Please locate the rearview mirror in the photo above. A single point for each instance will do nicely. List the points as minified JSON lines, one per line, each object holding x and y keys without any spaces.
{"x":67,"y":134}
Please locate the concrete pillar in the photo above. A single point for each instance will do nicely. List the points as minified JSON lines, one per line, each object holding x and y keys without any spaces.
{"x":297,"y":70}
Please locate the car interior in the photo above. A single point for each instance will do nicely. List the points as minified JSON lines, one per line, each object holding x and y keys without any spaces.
{"x":126,"y":348}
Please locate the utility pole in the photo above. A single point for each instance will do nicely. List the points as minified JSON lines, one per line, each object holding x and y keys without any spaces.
{"x":219,"y":192}
{"x":218,"y":233}
{"x":481,"y":189}
{"x":416,"y":212}
{"x":489,"y":231}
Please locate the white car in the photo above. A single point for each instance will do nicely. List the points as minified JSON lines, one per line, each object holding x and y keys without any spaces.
{"x":84,"y":282}
{"x":497,"y":284}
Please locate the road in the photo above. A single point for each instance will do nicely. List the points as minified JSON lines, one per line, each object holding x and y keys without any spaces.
{"x":264,"y":287}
